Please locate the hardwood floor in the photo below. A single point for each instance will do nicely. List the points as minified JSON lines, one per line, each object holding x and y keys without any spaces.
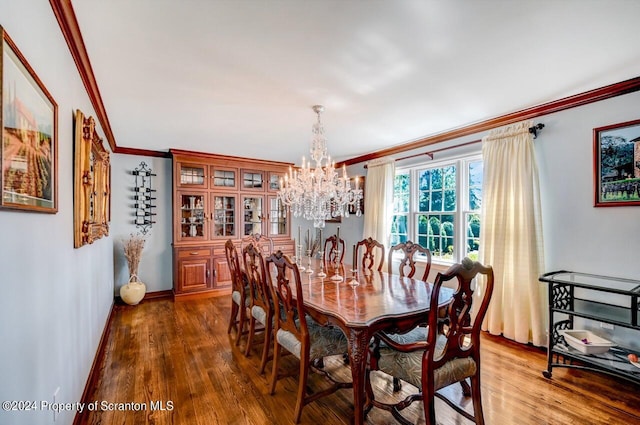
{"x":180,"y":355}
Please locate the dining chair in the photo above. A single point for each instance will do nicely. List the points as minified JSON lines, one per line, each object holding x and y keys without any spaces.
{"x":260,"y":304}
{"x":372,"y":254}
{"x":448,"y":355}
{"x":298,"y":333}
{"x":239,"y":292}
{"x":260,"y":241}
{"x":331,"y":246}
{"x":407,"y":266}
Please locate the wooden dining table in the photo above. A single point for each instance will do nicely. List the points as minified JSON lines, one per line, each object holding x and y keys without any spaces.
{"x":362,"y":304}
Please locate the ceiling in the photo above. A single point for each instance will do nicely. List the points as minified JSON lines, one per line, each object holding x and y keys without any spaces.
{"x":240,"y":77}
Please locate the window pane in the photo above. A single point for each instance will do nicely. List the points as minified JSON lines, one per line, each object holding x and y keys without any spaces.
{"x":475,"y":185}
{"x":401,"y":183}
{"x":436,"y":201}
{"x":399,"y":229}
{"x":473,"y":236}
{"x":423,"y":180}
{"x":422,"y":224}
{"x":436,"y":178}
{"x":449,"y":200}
{"x":401,"y":194}
{"x":434,"y":224}
{"x":424,"y":202}
{"x":449,"y":176}
{"x":401,"y":204}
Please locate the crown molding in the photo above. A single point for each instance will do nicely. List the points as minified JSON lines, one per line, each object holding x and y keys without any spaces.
{"x":596,"y":95}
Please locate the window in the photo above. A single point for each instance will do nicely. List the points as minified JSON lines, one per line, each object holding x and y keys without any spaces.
{"x":437,"y":205}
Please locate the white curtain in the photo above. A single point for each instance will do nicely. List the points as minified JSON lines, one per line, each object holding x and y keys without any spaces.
{"x":511,"y":235}
{"x":378,"y":199}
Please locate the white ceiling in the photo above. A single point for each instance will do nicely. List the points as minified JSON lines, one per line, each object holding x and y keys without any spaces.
{"x":240,"y":77}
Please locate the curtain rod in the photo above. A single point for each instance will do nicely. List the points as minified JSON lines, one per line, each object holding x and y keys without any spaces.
{"x":533,"y":130}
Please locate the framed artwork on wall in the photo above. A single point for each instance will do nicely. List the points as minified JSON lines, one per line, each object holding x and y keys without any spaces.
{"x":91,"y":184}
{"x":616,"y":164}
{"x":29,"y":151}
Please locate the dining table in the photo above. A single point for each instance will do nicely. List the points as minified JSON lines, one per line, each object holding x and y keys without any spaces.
{"x":363,"y":303}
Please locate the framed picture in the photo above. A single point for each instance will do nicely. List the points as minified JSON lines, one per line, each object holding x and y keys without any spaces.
{"x":616,"y":156}
{"x":91,"y":183}
{"x":29,"y":152}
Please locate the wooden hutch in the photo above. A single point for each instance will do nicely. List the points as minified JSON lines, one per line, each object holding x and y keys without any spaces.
{"x":216,"y":198}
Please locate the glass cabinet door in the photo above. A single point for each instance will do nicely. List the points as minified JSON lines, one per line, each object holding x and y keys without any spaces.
{"x":192,"y":175}
{"x":274,"y":181}
{"x":224,"y":216}
{"x":192,"y":216}
{"x":277,"y":217}
{"x":224,"y":178}
{"x":252,"y":215}
{"x":252,"y":180}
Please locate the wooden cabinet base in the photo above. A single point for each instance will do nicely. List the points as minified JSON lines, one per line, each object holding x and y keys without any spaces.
{"x":202,"y":294}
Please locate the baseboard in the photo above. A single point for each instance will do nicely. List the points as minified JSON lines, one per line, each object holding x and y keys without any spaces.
{"x":95,"y":367}
{"x":149,"y":296}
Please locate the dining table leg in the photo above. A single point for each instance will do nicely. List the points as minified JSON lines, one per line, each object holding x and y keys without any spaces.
{"x":358,"y":350}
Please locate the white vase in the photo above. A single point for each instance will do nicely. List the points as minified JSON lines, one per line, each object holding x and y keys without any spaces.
{"x":133,"y":292}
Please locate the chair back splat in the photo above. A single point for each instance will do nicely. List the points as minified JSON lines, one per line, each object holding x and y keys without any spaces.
{"x":333,"y":247}
{"x":372,"y":254}
{"x":407,"y":265}
{"x":263,"y":243}
{"x":260,"y":304}
{"x":239,"y":292}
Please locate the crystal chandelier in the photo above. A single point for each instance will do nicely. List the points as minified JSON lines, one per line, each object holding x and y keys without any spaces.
{"x":318,"y":193}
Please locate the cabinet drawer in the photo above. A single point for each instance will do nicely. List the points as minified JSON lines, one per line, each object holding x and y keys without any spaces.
{"x":195,"y":252}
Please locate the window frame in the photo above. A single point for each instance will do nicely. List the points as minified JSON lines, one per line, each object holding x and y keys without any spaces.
{"x":462,"y":209}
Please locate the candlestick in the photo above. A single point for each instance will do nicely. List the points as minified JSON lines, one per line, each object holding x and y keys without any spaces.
{"x":298,"y":241}
{"x":338,"y":236}
{"x":309,"y":239}
{"x":355,"y":260}
{"x":354,"y":269}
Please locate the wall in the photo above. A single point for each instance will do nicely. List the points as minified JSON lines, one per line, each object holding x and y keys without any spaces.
{"x":578,"y":236}
{"x":55,"y":299}
{"x":156,"y":269}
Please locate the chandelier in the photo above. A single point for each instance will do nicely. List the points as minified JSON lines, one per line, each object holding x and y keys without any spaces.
{"x":319,"y":193}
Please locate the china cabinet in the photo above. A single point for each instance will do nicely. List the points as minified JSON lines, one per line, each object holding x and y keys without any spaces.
{"x":591,"y":299}
{"x":216,"y":198}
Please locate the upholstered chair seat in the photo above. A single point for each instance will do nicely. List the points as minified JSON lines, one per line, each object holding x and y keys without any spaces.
{"x":408,"y":366}
{"x":324,"y":341}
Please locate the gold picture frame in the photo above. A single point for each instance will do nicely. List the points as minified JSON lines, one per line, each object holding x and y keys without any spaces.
{"x":29,"y":150}
{"x":91,"y":184}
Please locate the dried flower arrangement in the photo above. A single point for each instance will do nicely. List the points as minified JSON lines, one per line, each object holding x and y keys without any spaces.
{"x":133,"y":251}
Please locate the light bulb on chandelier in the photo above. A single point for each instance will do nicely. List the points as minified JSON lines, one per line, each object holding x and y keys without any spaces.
{"x":319,"y":193}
